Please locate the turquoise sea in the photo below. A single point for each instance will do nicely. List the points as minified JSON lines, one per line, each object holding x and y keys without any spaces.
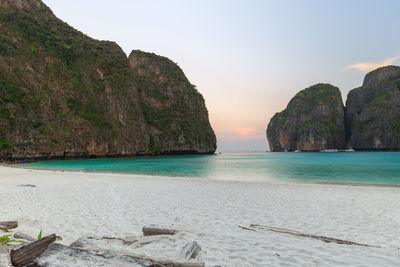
{"x":349,"y":167}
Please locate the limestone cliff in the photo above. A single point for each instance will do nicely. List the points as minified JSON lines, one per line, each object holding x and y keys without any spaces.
{"x":312,"y":121}
{"x":173,"y":109}
{"x":64,"y":94}
{"x":373,"y":111}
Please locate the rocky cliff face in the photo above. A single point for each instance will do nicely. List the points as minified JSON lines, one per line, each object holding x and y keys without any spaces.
{"x":173,"y":109}
{"x":314,"y":118}
{"x":63,"y":94}
{"x":312,"y":121}
{"x":373,"y":111}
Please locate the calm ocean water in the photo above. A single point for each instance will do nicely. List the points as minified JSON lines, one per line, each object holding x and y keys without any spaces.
{"x":355,"y":167}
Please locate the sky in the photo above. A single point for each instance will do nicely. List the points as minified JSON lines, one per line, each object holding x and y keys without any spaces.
{"x":249,"y":58}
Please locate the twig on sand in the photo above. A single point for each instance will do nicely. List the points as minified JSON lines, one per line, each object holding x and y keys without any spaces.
{"x":27,"y":185}
{"x":246,"y":228}
{"x":255,"y":227}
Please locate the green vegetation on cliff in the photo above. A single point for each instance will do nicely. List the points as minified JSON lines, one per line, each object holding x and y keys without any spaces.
{"x":4,"y":144}
{"x":166,"y":94}
{"x":373,"y":111}
{"x":65,"y":94}
{"x":312,"y":121}
{"x":314,"y":118}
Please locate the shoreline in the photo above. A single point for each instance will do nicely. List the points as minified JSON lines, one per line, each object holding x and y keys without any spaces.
{"x":276,"y":181}
{"x":104,"y":156}
{"x":75,"y":205}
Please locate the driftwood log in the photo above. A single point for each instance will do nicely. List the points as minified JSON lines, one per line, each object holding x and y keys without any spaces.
{"x":190,"y":250}
{"x":27,"y":185}
{"x":28,"y":253}
{"x":90,"y":257}
{"x":167,"y":263}
{"x":255,"y":227}
{"x":157,"y":231}
{"x":8,"y":225}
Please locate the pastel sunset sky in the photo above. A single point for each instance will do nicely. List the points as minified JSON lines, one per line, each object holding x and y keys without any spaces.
{"x":249,"y":58}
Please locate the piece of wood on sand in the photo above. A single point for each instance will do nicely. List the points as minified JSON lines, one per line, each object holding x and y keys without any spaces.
{"x":98,"y":257}
{"x":157,"y":231}
{"x":190,"y":250}
{"x":8,"y":225}
{"x":5,"y":260}
{"x":28,"y":253}
{"x":27,"y":185}
{"x":254,"y":227}
{"x":167,"y":263}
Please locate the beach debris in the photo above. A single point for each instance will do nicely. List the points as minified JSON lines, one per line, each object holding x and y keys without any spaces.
{"x":5,"y":259}
{"x":190,"y":250}
{"x":246,"y":228}
{"x":105,"y":250}
{"x":168,"y":263}
{"x":94,"y":257}
{"x":98,"y":251}
{"x":27,"y":185}
{"x":28,"y":253}
{"x":8,"y":225}
{"x":255,"y":227}
{"x":70,"y":256}
{"x":24,"y":236}
{"x":108,"y":247}
{"x":125,"y":241}
{"x":104,"y":243}
{"x":157,"y":231}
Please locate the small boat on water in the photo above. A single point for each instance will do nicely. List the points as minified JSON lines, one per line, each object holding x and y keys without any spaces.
{"x":329,"y":150}
{"x":20,"y":161}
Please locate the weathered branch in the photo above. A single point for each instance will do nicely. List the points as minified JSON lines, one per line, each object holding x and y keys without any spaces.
{"x":83,"y":256}
{"x":168,"y":263}
{"x":157,"y":231}
{"x":31,"y":251}
{"x":27,"y":185}
{"x":246,"y":228}
{"x":8,"y":225}
{"x":190,"y":250}
{"x":254,"y":227}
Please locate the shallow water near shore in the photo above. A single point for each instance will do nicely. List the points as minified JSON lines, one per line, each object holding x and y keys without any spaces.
{"x":378,"y":168}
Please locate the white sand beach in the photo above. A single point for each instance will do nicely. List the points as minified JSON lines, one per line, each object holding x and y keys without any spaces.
{"x":75,"y":205}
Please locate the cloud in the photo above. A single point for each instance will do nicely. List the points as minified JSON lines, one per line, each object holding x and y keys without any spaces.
{"x":368,"y":66}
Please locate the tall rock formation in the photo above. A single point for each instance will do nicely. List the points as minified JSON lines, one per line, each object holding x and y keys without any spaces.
{"x":312,"y":121}
{"x":373,"y":111}
{"x":173,"y":109}
{"x":64,"y":94}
